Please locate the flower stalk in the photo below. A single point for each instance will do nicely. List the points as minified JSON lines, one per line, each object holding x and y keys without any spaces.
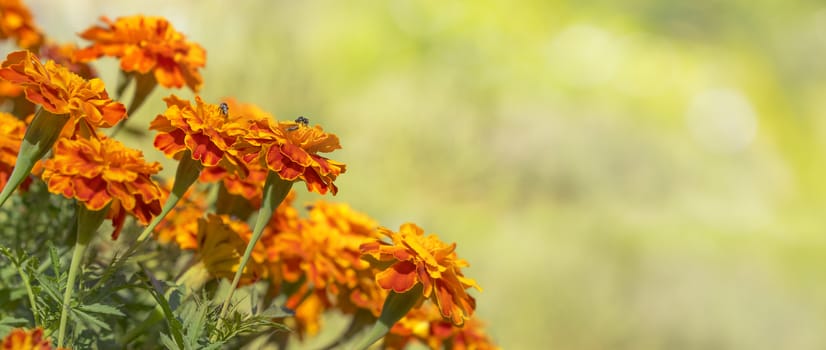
{"x":40,"y":136}
{"x":185,"y":175}
{"x":395,"y":307}
{"x":275,"y":190}
{"x":88,"y":222}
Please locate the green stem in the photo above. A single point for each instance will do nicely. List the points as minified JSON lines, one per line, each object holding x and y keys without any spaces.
{"x":27,"y":283}
{"x":186,"y":174}
{"x":275,"y":190}
{"x":395,"y":307}
{"x":88,"y":222}
{"x":39,"y":138}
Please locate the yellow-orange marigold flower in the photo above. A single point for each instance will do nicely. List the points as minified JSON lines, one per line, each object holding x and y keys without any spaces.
{"x":221,"y":243}
{"x":202,"y":129}
{"x":16,"y":23}
{"x":427,"y":260}
{"x":21,"y":339}
{"x":12,"y":130}
{"x":147,"y":44}
{"x":60,"y":91}
{"x":101,"y":171}
{"x":291,"y":150}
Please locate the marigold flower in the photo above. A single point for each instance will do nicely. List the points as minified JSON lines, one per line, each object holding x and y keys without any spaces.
{"x":64,"y":55}
{"x":417,"y":258}
{"x":426,"y":325}
{"x":325,"y":248}
{"x":147,"y":44}
{"x":101,"y":171}
{"x":202,"y":129}
{"x":21,"y":339}
{"x":16,"y":23}
{"x":181,"y":225}
{"x":220,"y":246}
{"x":62,"y":92}
{"x":291,"y":150}
{"x":308,"y":311}
{"x":12,"y":130}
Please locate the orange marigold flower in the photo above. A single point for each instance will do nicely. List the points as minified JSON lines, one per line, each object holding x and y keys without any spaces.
{"x":181,"y":225}
{"x":291,"y":150}
{"x":427,"y":260}
{"x":21,"y":339}
{"x":16,"y":23}
{"x":308,"y":311}
{"x":426,"y":325}
{"x":147,"y":44}
{"x":221,"y":243}
{"x":325,"y":248}
{"x":101,"y":171}
{"x":64,"y":55}
{"x":12,"y":130}
{"x":60,"y":91}
{"x":202,"y":129}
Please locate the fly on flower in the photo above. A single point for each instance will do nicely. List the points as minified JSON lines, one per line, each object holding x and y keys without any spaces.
{"x":224,"y":109}
{"x":301,"y":121}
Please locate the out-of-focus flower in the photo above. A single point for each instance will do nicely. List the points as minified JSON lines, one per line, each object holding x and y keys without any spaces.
{"x":308,"y":311}
{"x":181,"y":225}
{"x":62,"y":92}
{"x":99,"y":171}
{"x":147,"y":45}
{"x":221,"y":244}
{"x":16,"y":23}
{"x":202,"y":129}
{"x":250,"y":187}
{"x":291,"y":150}
{"x":12,"y":94}
{"x":64,"y":55}
{"x":426,"y":325}
{"x":417,"y":258}
{"x":21,"y":339}
{"x":324,"y":248}
{"x":12,"y":130}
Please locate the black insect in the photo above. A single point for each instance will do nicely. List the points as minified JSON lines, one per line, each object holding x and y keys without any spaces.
{"x":301,"y":121}
{"x":224,"y":109}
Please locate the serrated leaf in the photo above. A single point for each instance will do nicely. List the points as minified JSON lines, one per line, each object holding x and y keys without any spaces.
{"x":101,"y":309}
{"x":168,"y":343}
{"x":157,"y":292}
{"x":91,"y":321}
{"x":54,"y":257}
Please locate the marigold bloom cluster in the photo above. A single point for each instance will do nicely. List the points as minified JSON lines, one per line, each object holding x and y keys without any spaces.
{"x":60,"y":91}
{"x":102,"y":171}
{"x":21,"y":339}
{"x":417,"y":258}
{"x":147,"y":45}
{"x":16,"y":23}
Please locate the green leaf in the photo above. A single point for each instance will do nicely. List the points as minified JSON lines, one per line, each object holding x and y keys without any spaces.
{"x":102,"y":309}
{"x":174,"y":325}
{"x":90,"y":321}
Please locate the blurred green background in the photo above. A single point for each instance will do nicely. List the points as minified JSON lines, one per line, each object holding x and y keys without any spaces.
{"x":644,"y":175}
